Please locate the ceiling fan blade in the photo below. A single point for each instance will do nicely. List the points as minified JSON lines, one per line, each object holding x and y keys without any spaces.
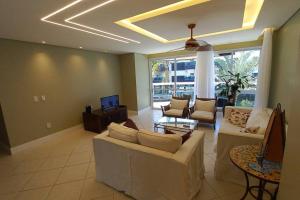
{"x":178,"y":49}
{"x":207,"y":47}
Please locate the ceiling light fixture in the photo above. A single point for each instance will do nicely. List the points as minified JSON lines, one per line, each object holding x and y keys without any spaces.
{"x":251,"y":12}
{"x":68,"y":20}
{"x":45,"y":19}
{"x":44,"y":42}
{"x":80,"y":47}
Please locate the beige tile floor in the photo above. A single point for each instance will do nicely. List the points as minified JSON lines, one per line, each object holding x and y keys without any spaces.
{"x":63,"y":169}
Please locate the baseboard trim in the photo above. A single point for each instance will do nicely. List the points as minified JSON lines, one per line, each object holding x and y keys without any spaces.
{"x":144,"y":110}
{"x":5,"y":148}
{"x":132,"y":112}
{"x":41,"y":140}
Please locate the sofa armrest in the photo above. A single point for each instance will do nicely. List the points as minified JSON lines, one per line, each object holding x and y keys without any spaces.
{"x":228,"y":110}
{"x":187,"y":149}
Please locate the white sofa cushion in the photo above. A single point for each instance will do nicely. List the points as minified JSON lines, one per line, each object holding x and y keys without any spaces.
{"x":202,"y":115}
{"x":124,"y":133}
{"x":174,"y":112}
{"x":208,"y":106}
{"x":178,"y":104}
{"x":259,"y":118}
{"x":166,"y":142}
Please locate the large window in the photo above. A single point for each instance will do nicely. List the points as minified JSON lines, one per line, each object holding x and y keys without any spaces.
{"x":246,"y":64}
{"x":176,"y":76}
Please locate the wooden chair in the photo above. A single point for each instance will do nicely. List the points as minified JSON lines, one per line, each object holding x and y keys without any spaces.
{"x":205,"y":114}
{"x":181,"y":111}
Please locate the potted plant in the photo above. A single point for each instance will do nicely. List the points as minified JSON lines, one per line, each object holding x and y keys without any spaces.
{"x":231,"y":83}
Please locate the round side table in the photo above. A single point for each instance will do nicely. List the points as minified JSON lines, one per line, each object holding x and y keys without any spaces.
{"x":242,"y":157}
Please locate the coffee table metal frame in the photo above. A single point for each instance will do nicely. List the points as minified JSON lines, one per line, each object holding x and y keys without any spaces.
{"x":178,"y":125}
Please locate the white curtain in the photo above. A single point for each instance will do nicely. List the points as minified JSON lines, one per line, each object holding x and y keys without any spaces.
{"x":205,"y":75}
{"x":264,"y":70}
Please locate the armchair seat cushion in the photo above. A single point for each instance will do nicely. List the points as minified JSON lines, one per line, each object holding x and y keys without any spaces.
{"x":174,"y":112}
{"x":202,"y":115}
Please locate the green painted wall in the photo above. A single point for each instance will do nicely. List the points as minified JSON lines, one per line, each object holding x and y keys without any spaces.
{"x":284,"y":63}
{"x":142,"y":81}
{"x":69,"y":78}
{"x":4,"y":140}
{"x":285,"y":88}
{"x":135,"y":81}
{"x":129,"y":92}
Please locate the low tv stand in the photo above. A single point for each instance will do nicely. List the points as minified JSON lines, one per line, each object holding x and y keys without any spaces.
{"x":98,"y":120}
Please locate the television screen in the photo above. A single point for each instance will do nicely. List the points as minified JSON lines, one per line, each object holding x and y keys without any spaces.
{"x":109,"y":102}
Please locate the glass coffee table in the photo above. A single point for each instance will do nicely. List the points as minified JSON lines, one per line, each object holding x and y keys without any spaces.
{"x":176,"y":124}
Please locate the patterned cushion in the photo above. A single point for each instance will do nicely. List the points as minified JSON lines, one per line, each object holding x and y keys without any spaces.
{"x":238,"y":118}
{"x":253,"y":130}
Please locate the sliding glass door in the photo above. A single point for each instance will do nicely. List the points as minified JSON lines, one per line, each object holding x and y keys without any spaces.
{"x":174,"y":76}
{"x":244,"y":62}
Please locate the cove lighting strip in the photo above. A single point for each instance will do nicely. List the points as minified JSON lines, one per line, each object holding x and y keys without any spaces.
{"x":94,"y":29}
{"x":251,"y":12}
{"x":46,"y":19}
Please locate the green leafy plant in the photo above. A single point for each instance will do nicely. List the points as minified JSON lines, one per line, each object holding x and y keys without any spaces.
{"x":231,"y":85}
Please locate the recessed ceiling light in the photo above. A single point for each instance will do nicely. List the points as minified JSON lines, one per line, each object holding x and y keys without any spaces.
{"x":46,"y":19}
{"x":251,"y":12}
{"x":68,"y":20}
{"x":44,"y":42}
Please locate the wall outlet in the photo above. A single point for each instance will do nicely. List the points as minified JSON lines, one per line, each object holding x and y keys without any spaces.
{"x":43,"y":97}
{"x":48,"y":125}
{"x":36,"y":99}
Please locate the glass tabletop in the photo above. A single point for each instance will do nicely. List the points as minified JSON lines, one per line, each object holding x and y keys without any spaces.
{"x":176,"y":123}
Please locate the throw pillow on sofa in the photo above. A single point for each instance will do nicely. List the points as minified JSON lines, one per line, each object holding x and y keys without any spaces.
{"x":166,"y":142}
{"x":130,"y":124}
{"x":238,"y":118}
{"x":124,"y":133}
{"x":184,"y":136}
{"x":258,"y":118}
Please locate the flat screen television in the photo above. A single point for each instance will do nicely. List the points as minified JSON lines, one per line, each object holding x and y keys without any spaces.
{"x":109,"y":102}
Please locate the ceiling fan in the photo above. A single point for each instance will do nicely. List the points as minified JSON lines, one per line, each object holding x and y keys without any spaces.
{"x":194,"y":45}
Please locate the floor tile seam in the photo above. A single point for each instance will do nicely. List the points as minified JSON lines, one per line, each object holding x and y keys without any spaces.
{"x":35,"y":174}
{"x":214,"y":190}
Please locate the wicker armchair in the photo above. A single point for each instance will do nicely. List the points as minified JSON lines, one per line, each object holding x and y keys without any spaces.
{"x":204,"y":114}
{"x":175,"y":111}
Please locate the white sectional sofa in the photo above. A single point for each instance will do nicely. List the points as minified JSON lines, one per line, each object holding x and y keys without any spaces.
{"x":150,"y":174}
{"x":229,"y":136}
